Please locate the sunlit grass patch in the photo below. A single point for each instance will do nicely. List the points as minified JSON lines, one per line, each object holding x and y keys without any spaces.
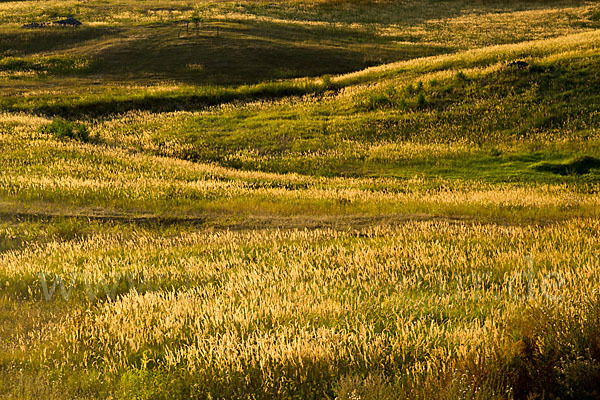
{"x":45,"y":65}
{"x":209,"y":211}
{"x":418,"y":301}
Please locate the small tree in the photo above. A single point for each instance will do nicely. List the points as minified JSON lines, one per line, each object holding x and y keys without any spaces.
{"x":197,"y":19}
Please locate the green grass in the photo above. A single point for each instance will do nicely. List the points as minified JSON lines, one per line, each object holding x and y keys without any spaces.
{"x":44,"y":65}
{"x":300,"y":199}
{"x":388,"y":129}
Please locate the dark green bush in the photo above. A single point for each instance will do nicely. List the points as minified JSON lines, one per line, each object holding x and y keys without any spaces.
{"x":577,"y":166}
{"x":421,"y":101}
{"x":63,"y":129}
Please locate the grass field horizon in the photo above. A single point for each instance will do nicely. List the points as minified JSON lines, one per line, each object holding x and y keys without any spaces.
{"x":300,"y":199}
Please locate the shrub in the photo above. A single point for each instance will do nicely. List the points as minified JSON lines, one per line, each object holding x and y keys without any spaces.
{"x":63,"y":129}
{"x":421,"y":101}
{"x":327,"y":83}
{"x":461,"y":77}
{"x":560,"y":351}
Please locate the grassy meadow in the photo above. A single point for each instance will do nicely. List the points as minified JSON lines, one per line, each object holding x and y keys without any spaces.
{"x":347,"y":199}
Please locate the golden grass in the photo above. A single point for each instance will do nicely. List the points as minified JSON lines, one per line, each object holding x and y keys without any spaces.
{"x":438,"y":295}
{"x":580,"y":42}
{"x":100,"y":175}
{"x":412,"y":299}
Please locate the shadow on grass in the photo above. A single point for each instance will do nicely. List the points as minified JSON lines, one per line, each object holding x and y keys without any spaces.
{"x":194,"y":100}
{"x":246,"y":52}
{"x":23,"y":42}
{"x":577,"y":166}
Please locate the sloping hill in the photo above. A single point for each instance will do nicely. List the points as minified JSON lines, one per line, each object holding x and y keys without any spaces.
{"x":425,"y":228}
{"x":400,"y":138}
{"x":464,"y":115}
{"x":125,"y":45}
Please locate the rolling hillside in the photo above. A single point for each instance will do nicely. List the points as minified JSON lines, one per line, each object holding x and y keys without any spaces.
{"x":350,"y":199}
